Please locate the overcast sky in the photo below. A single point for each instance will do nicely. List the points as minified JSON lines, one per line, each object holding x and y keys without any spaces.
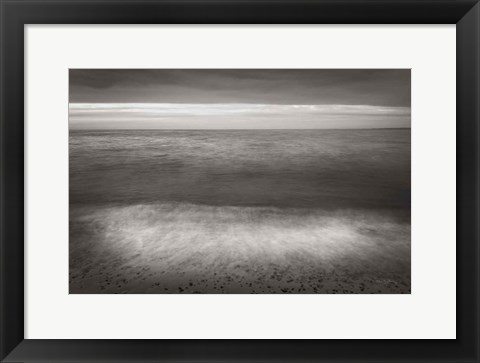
{"x":238,"y":99}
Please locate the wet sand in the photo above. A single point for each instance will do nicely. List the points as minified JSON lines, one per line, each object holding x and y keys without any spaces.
{"x":143,"y":281}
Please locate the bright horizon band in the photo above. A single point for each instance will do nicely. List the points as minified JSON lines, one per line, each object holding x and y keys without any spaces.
{"x":234,"y":116}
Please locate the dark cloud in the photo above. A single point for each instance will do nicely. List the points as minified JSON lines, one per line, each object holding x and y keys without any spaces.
{"x":379,"y":87}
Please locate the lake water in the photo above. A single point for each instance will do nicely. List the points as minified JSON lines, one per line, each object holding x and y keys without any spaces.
{"x":310,"y":168}
{"x":174,"y":211}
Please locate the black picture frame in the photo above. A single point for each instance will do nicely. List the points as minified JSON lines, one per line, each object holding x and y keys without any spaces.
{"x":15,"y":14}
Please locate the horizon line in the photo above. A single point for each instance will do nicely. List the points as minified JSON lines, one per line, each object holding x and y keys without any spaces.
{"x":234,"y":103}
{"x":309,"y":129}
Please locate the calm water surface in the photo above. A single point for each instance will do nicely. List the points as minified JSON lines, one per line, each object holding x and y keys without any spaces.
{"x":306,"y":168}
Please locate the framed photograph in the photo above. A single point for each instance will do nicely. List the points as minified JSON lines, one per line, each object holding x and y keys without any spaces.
{"x":239,"y":181}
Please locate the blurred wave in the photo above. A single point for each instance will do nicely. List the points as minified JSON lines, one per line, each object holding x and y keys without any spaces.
{"x":179,"y":245}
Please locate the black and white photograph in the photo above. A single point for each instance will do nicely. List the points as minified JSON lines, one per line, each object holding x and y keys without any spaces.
{"x":239,"y":181}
